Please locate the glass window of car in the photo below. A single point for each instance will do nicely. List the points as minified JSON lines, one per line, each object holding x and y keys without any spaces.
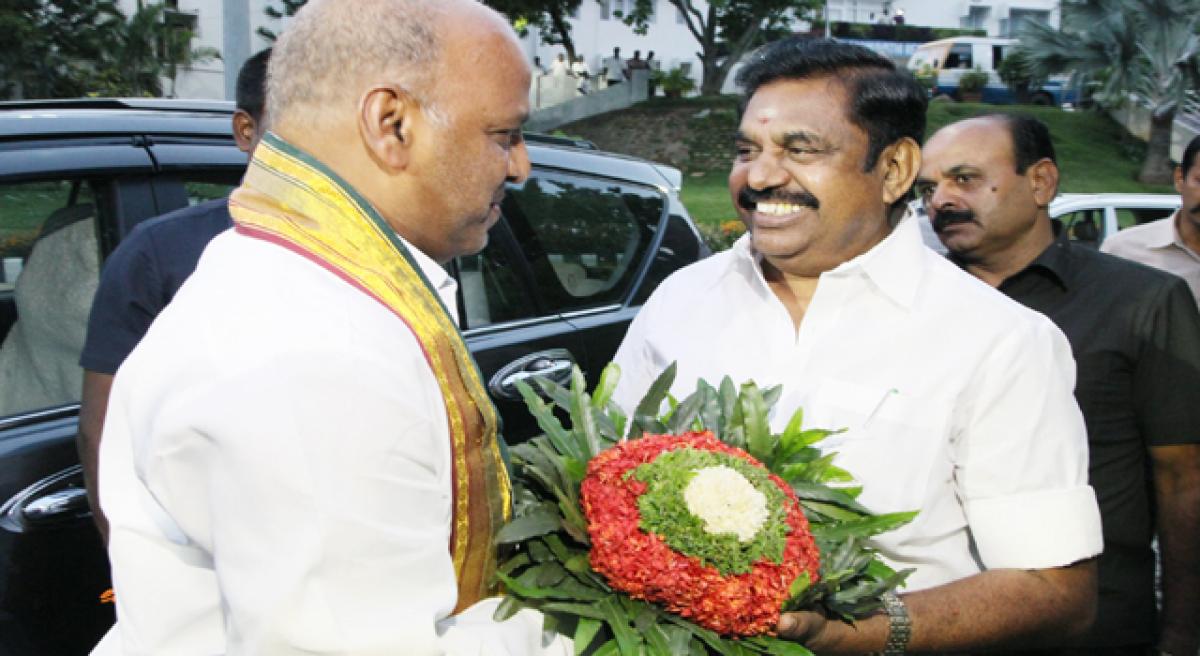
{"x":960,"y":56}
{"x":584,"y":238}
{"x":493,"y":285}
{"x":1128,"y":217}
{"x":1084,"y":225}
{"x":51,"y":265}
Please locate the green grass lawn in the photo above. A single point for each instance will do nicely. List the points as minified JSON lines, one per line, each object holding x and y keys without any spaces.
{"x":1095,"y":155}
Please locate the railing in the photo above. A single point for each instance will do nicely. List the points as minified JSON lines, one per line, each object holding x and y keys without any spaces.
{"x":1189,"y":111}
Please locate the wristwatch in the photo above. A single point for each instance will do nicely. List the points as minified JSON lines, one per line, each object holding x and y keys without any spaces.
{"x":899,"y":625}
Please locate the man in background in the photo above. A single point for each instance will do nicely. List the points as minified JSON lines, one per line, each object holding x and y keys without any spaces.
{"x":1134,"y":331}
{"x":1172,"y":244}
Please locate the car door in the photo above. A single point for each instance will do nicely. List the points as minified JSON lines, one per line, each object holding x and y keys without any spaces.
{"x":585,"y":243}
{"x":61,"y":207}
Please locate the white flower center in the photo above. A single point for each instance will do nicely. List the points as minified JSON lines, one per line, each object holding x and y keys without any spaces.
{"x":726,"y":502}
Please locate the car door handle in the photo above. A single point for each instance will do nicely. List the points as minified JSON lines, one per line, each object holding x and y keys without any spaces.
{"x":63,"y":504}
{"x":553,"y":364}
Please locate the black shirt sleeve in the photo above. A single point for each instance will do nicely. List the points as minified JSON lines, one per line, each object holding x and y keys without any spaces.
{"x":1167,"y":374}
{"x":127,"y":300}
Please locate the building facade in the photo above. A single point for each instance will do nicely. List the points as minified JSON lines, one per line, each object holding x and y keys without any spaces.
{"x":231,"y":27}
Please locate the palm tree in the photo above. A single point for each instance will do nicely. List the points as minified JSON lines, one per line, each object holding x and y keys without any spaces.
{"x":1135,"y":50}
{"x":144,"y":49}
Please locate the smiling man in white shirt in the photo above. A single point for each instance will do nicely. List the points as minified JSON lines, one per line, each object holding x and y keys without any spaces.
{"x":958,"y":402}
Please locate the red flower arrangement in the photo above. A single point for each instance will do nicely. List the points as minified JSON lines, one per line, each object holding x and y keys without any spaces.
{"x":644,"y":566}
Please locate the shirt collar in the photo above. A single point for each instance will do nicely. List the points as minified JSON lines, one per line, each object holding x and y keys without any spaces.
{"x":893,"y":265}
{"x":1165,"y":233}
{"x":442,"y":282}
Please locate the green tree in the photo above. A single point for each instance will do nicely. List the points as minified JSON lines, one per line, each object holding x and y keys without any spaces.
{"x":727,"y":29}
{"x":144,"y":49}
{"x":549,"y":17}
{"x":1133,"y":51}
{"x":52,"y":46}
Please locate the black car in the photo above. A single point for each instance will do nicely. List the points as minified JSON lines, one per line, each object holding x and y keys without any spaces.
{"x":582,"y":244}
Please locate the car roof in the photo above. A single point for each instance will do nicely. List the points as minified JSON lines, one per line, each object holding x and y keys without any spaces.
{"x":50,"y":119}
{"x":1069,"y":202}
{"x":969,"y":39}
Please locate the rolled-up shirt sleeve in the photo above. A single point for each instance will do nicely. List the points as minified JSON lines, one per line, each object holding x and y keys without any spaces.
{"x":1022,"y":457}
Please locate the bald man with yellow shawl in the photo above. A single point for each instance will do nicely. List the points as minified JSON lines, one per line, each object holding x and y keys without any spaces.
{"x":300,"y":456}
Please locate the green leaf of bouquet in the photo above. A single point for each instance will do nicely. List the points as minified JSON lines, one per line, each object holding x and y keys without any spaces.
{"x":710,"y":638}
{"x":728,"y":400}
{"x":566,"y":591}
{"x":817,"y":492}
{"x":519,"y":560}
{"x":507,"y":608}
{"x":618,"y":418}
{"x":779,"y":647}
{"x":543,"y":575}
{"x":880,"y":570}
{"x":606,"y":385}
{"x":550,"y":425}
{"x":646,"y":623}
{"x":645,"y":417}
{"x":608,"y":649}
{"x":628,"y":640}
{"x":575,"y":469}
{"x":677,"y":638}
{"x":710,"y":407}
{"x":864,"y":527}
{"x":542,"y":520}
{"x":585,"y":633}
{"x":759,"y":441}
{"x":685,"y":415}
{"x":827,"y":512}
{"x":584,"y":422}
{"x":771,"y":395}
{"x":591,"y":611}
{"x":799,"y":585}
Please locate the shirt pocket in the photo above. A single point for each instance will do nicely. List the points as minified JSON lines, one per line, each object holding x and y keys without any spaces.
{"x":894,"y":443}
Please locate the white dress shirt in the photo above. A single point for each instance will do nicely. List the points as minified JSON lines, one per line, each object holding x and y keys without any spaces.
{"x":958,"y":401}
{"x":276,"y":472}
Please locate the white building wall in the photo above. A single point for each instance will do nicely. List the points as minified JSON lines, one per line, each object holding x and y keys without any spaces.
{"x":595,"y":37}
{"x":995,"y":14}
{"x":207,"y":80}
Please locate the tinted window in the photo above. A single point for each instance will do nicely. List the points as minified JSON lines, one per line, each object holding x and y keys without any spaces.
{"x":51,"y":262}
{"x":960,"y":56}
{"x":493,"y":284}
{"x":1084,"y":225}
{"x":584,"y":238}
{"x":1131,"y":216}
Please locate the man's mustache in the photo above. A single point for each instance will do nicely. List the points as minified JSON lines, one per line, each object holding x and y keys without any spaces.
{"x":944,"y":218}
{"x":747,"y":198}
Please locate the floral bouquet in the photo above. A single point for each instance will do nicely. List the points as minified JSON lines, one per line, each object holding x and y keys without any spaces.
{"x":683,"y":534}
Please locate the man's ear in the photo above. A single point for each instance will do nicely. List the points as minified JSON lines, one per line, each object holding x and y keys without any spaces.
{"x":387,"y":114}
{"x":1178,"y":179}
{"x":1043,"y":180}
{"x":901,"y":161}
{"x":243,"y":130}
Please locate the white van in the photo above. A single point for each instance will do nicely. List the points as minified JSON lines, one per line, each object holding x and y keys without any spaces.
{"x":952,"y":57}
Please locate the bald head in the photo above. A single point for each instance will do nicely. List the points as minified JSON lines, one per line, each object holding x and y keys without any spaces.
{"x":335,"y":49}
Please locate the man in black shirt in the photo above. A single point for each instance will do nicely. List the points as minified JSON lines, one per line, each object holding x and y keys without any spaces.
{"x":987,"y":183}
{"x":142,"y":275}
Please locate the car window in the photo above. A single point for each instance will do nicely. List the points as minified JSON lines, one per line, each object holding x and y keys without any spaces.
{"x":51,"y":262}
{"x":1130,"y":216}
{"x":201,"y":191}
{"x":1084,"y":225}
{"x":960,"y":56}
{"x":584,"y":238}
{"x":492,"y":285}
